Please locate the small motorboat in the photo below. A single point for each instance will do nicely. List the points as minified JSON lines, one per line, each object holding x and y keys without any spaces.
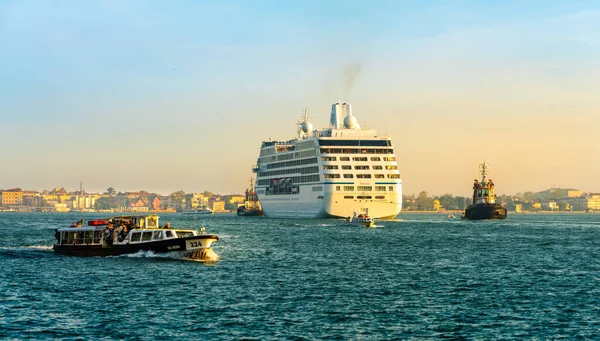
{"x":362,"y":219}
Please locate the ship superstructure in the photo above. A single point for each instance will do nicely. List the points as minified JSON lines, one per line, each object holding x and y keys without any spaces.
{"x":334,"y":172}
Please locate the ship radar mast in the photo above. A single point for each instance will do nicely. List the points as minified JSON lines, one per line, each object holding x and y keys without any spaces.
{"x":304,"y":126}
{"x":483,"y":168}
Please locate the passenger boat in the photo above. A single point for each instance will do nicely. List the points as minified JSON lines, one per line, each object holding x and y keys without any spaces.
{"x":203,"y":210}
{"x":251,"y":206}
{"x":106,"y":237}
{"x":484,"y":200}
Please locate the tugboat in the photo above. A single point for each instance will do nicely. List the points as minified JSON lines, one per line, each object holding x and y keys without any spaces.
{"x":130,"y":234}
{"x":251,"y":207}
{"x":484,"y":200}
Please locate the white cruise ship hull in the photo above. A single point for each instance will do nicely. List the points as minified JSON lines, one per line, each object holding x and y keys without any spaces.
{"x":329,"y":204}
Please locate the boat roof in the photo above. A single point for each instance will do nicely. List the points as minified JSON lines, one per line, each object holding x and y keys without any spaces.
{"x":95,"y":228}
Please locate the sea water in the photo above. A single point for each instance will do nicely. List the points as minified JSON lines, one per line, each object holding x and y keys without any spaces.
{"x":422,"y":276}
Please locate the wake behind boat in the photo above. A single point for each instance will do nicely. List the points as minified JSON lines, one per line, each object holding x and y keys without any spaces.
{"x":131,"y":234}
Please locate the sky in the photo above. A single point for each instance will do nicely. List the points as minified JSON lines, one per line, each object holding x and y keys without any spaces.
{"x":164,"y":96}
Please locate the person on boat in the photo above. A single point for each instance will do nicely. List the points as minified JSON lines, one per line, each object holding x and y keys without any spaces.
{"x":108,"y":235}
{"x":123,"y":232}
{"x":167,"y":225}
{"x":117,"y":232}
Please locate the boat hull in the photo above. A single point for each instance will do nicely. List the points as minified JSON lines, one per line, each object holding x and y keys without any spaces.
{"x":327,"y":203}
{"x":196,"y":247}
{"x":485,"y":211}
{"x":242,"y":212}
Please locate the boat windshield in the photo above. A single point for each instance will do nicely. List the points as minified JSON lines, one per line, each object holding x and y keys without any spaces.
{"x":184,"y":234}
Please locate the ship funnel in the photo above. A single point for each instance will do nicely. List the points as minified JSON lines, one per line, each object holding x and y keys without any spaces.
{"x":338,"y":112}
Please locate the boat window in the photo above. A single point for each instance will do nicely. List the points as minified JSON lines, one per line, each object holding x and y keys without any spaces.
{"x":344,"y":158}
{"x":486,"y":193}
{"x":348,"y":188}
{"x":157,"y":235}
{"x":380,"y":188}
{"x":349,"y":197}
{"x":394,"y":176}
{"x":184,"y":234}
{"x":135,"y":237}
{"x":364,"y":188}
{"x":338,"y":188}
{"x":65,"y":238}
{"x":78,"y":236}
{"x":363,"y":197}
{"x":378,"y":167}
{"x":376,"y":158}
{"x":97,"y":237}
{"x":346,"y":167}
{"x":379,"y":176}
{"x":391,"y":188}
{"x":348,"y":176}
{"x":317,"y":188}
{"x":380,"y":197}
{"x":146,"y":236}
{"x":479,"y":193}
{"x":88,"y":237}
{"x":169,"y":234}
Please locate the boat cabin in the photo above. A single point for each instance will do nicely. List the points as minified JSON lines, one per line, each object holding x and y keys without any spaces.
{"x":140,"y":229}
{"x":483,"y":192}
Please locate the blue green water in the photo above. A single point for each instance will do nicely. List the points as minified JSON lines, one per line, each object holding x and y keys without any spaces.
{"x":420,"y":277}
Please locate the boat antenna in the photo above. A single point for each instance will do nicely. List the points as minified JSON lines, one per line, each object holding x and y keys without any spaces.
{"x":299,"y":124}
{"x":483,"y":168}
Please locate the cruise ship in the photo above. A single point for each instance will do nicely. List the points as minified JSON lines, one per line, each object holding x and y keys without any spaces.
{"x":331,"y":173}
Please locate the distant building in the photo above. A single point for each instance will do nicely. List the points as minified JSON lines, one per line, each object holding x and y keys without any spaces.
{"x":217,"y":205}
{"x":574,"y":193}
{"x":549,"y":206}
{"x":12,"y":197}
{"x":593,"y":202}
{"x":237,"y":199}
{"x":196,"y":200}
{"x":139,"y":205}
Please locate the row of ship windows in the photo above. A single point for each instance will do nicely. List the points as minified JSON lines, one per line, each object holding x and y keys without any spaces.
{"x":356,"y":151}
{"x":363,"y":188}
{"x":359,"y":158}
{"x":306,"y":170}
{"x":290,"y":180}
{"x":362,"y":176}
{"x":292,"y":163}
{"x":364,"y":197}
{"x":360,"y":167}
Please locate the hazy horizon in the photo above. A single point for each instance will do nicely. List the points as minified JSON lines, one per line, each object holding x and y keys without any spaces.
{"x":168,"y":96}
